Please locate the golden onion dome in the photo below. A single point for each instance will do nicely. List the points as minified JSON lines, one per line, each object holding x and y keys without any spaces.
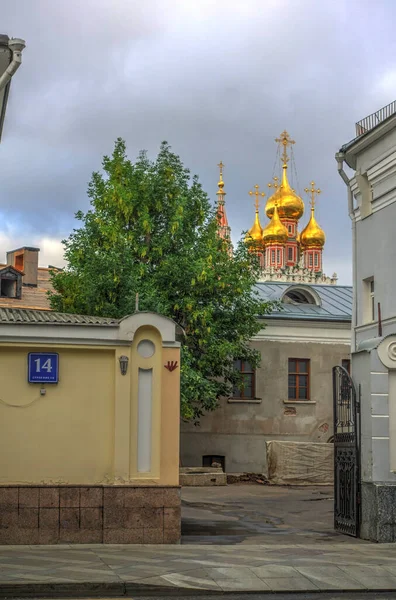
{"x":313,"y":236}
{"x":275,"y":232}
{"x":290,"y":205}
{"x":255,"y":233}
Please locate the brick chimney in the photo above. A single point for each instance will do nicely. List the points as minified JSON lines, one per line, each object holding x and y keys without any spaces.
{"x":26,"y":260}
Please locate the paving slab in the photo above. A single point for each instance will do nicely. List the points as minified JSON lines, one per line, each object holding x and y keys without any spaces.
{"x":121,"y":570}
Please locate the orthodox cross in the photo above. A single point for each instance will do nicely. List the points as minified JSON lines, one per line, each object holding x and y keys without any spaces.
{"x":275,"y":184}
{"x":286,"y":141}
{"x":312,"y":192}
{"x":256,"y":193}
{"x":221,"y":167}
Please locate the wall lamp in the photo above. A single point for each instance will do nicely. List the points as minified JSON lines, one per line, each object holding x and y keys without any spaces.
{"x":124,"y":360}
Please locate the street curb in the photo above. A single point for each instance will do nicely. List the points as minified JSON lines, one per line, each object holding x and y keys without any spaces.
{"x":124,"y":589}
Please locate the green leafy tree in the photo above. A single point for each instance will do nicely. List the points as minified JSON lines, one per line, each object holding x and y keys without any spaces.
{"x":151,"y":230}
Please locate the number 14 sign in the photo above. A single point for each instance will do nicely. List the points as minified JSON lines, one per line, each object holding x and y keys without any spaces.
{"x":43,"y":367}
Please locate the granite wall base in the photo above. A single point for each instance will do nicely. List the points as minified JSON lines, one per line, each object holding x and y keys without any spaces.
{"x":89,"y":515}
{"x":378,"y":512}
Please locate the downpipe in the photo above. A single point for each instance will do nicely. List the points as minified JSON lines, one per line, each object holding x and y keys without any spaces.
{"x":340,"y":167}
{"x":16,"y":45}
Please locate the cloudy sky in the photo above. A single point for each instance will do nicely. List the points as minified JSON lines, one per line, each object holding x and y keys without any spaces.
{"x":217,"y":79}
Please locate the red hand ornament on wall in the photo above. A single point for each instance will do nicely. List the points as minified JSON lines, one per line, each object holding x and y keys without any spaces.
{"x":171,"y":365}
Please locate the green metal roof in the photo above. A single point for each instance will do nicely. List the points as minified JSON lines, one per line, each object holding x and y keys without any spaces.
{"x":47,"y":317}
{"x":335,"y":301}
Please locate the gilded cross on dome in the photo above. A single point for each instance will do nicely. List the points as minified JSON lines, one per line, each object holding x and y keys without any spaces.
{"x":313,"y":193}
{"x":286,"y":141}
{"x":275,"y":184}
{"x":221,"y":182}
{"x":256,"y":193}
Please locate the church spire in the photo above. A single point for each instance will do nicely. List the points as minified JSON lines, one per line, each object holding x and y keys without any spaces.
{"x":313,"y":237}
{"x":255,"y":233}
{"x":223,"y":227}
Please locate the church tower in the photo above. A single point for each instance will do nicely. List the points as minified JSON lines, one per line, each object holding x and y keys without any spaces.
{"x":223,"y":228}
{"x":275,"y":237}
{"x":312,"y":237}
{"x":290,"y":205}
{"x":254,"y":237}
{"x":285,"y":253}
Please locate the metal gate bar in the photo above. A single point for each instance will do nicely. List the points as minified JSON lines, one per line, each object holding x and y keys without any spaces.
{"x":346,"y":454}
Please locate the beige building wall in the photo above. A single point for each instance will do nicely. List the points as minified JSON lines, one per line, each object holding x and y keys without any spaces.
{"x":239,"y":429}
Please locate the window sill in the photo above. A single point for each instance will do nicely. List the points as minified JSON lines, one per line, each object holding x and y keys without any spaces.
{"x":299,"y":401}
{"x":244,"y":400}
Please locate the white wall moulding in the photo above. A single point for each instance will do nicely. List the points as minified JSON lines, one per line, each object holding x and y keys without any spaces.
{"x":145,"y":409}
{"x":387,"y":355}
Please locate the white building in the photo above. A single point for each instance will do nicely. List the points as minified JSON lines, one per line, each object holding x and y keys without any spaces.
{"x":372,"y":208}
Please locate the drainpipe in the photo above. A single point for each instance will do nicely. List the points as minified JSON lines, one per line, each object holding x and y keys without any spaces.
{"x":340,"y":166}
{"x":16,"y":45}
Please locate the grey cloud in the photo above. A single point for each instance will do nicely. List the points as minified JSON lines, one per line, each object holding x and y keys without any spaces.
{"x":218,"y":80}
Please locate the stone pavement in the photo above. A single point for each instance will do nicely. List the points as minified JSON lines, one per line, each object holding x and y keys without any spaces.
{"x":259,"y":514}
{"x":190,"y":569}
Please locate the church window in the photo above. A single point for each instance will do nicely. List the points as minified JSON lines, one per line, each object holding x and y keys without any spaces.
{"x":316,"y":260}
{"x":298,"y":379}
{"x":290,"y":229}
{"x":273,"y":256}
{"x":290,"y":253}
{"x":310,"y":259}
{"x":278,"y":256}
{"x":245,"y":389}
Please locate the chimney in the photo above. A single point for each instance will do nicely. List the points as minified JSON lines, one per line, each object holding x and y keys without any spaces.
{"x":26,"y":260}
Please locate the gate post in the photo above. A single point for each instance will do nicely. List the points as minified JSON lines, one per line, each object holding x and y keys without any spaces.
{"x":373,"y":366}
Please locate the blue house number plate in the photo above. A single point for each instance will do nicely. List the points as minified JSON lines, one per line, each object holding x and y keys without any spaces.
{"x":43,"y":367}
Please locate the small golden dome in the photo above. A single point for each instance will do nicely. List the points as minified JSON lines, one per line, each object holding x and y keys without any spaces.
{"x":275,"y":232}
{"x":312,"y":236}
{"x":290,"y":205}
{"x":255,"y":233}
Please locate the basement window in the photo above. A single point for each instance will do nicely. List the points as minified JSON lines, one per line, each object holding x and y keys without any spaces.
{"x":212,"y":460}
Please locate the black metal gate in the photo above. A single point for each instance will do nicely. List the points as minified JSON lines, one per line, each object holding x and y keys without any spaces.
{"x":346,"y":453}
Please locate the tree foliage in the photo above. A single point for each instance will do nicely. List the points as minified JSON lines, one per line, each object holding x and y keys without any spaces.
{"x":151,"y":230}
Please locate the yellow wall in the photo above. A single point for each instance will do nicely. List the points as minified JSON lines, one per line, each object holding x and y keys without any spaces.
{"x":66,"y":435}
{"x":83,"y":431}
